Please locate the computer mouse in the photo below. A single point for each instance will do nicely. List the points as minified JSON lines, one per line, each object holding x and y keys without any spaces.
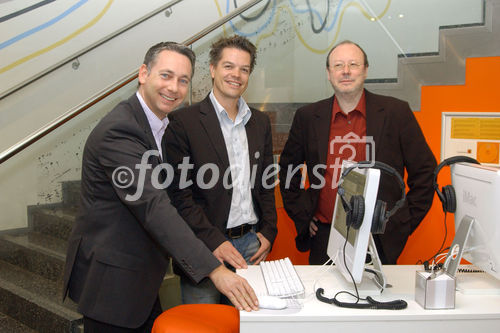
{"x":271,"y":302}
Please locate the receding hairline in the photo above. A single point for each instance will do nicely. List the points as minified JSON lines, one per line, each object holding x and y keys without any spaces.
{"x":347,"y":42}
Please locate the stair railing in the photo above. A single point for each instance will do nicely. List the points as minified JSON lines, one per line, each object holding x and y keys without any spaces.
{"x":88,"y":49}
{"x":64,"y":118}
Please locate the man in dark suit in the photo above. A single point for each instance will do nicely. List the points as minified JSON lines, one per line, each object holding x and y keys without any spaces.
{"x":126,"y":229}
{"x":317,"y":135}
{"x":224,"y":195}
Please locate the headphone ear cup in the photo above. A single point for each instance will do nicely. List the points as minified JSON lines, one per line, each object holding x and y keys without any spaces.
{"x":357,"y":213}
{"x":379,"y":217}
{"x":450,"y":198}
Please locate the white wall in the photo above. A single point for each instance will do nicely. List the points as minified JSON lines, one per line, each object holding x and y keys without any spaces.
{"x":34,"y":176}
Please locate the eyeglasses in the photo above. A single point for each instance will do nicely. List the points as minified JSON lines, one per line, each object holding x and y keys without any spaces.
{"x":352,"y":65}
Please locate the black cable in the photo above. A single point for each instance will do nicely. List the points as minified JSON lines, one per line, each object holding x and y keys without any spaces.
{"x":256,"y":17}
{"x":441,"y":248}
{"x":371,"y":303}
{"x":445,"y":236}
{"x":317,"y":31}
{"x":376,"y":277}
{"x":347,"y":268}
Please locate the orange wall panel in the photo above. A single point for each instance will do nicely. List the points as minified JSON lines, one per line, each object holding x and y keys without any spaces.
{"x":479,"y":94}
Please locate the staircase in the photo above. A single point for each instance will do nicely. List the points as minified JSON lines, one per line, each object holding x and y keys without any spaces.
{"x":31,"y":268}
{"x":447,"y":67}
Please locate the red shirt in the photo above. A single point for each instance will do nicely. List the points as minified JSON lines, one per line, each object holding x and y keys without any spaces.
{"x":342,"y":128}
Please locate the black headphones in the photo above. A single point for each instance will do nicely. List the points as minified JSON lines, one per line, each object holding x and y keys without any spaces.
{"x":355,"y":209}
{"x":370,"y":302}
{"x":447,"y":194}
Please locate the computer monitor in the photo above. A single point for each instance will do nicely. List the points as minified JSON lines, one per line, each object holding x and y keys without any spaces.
{"x":358,"y":182}
{"x":477,"y":190}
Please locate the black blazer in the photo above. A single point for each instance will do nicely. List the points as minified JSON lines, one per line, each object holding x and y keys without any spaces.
{"x":117,"y":253}
{"x":399,"y":142}
{"x":195,"y":132}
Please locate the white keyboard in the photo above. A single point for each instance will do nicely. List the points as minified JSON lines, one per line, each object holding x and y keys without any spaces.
{"x":281,"y":278}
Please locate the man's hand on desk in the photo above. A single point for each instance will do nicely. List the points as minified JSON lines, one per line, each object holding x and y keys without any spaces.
{"x":235,"y":288}
{"x":263,"y":251}
{"x":227,"y":253}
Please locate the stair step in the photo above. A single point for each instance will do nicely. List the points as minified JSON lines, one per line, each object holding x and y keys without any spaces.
{"x":55,"y":222}
{"x":37,"y":312}
{"x":20,"y":251}
{"x":53,"y":244}
{"x":8,"y":324}
{"x":34,"y":283}
{"x":71,"y":193}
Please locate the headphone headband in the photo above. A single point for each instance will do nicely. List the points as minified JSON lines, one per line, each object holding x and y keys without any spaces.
{"x":385,"y":168}
{"x":450,"y":161}
{"x":447,"y":196}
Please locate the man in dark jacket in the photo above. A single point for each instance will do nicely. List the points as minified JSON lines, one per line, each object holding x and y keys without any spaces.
{"x":354,"y":115}
{"x":118,"y":250}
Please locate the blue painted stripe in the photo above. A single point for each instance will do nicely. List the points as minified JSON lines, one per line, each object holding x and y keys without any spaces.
{"x":42,"y":26}
{"x":336,"y":16}
{"x":256,"y":32}
{"x":302,"y":11}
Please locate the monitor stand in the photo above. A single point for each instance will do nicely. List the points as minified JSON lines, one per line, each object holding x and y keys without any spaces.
{"x":468,"y":283}
{"x":373,"y":281}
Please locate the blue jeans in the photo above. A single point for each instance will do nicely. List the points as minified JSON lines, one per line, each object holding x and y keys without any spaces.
{"x":205,"y":291}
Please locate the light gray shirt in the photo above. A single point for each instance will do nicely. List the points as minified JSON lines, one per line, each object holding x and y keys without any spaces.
{"x":235,"y":136}
{"x":157,"y":125}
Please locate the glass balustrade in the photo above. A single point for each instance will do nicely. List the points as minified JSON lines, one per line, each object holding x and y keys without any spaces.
{"x":292,"y":38}
{"x":39,"y":186}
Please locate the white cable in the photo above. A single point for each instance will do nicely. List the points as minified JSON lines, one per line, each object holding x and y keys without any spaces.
{"x":320,"y":268}
{"x":440,"y":257}
{"x":372,"y":13}
{"x":318,"y":277}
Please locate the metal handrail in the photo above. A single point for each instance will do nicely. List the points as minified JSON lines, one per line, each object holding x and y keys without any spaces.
{"x":87,"y":49}
{"x":59,"y":121}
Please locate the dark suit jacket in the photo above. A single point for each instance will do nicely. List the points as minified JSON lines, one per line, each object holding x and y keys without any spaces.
{"x":117,"y":254}
{"x":195,"y":132}
{"x":399,"y":142}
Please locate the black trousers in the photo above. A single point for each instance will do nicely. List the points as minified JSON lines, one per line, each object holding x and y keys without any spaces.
{"x":93,"y":326}
{"x":319,"y":243}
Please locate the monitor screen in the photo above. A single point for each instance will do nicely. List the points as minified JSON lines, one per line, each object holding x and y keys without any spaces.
{"x":358,"y":182}
{"x":477,"y":190}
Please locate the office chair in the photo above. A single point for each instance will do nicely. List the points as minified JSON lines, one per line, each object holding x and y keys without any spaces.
{"x":199,"y":318}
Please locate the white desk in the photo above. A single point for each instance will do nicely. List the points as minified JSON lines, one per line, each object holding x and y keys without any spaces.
{"x":476,"y":314}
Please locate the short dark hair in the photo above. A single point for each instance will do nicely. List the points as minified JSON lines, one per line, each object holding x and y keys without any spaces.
{"x":237,"y":42}
{"x":152,"y":54}
{"x":346,"y":42}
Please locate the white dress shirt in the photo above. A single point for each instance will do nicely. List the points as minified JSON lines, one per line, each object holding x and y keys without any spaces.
{"x":235,"y":136}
